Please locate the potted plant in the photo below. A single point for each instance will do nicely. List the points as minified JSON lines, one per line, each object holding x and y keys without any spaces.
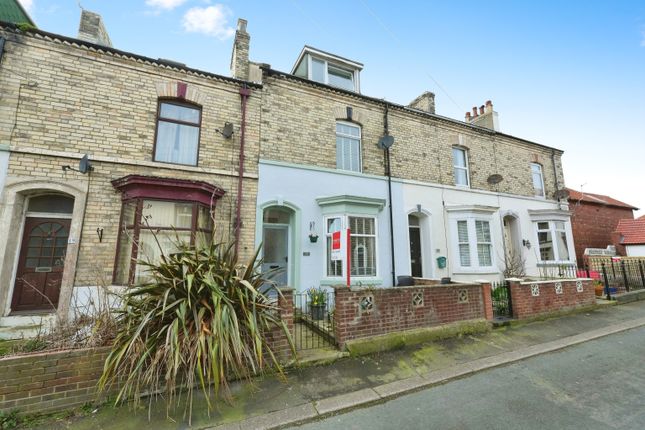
{"x":313,"y":237}
{"x":317,"y":303}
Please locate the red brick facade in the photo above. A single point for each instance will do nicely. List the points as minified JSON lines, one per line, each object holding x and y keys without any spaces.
{"x":530,"y":299}
{"x":366,"y":312}
{"x":594,"y":223}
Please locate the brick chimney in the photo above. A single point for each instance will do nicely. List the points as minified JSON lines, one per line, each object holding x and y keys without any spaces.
{"x":240,"y":54}
{"x":91,"y":29}
{"x":424,"y":102}
{"x":485,"y":117}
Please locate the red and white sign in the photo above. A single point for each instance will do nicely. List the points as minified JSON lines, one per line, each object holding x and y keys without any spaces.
{"x":336,"y":246}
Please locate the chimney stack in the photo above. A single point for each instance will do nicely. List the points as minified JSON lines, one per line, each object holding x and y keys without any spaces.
{"x":424,"y":102}
{"x":91,"y":29}
{"x":485,"y":117}
{"x":240,"y":54}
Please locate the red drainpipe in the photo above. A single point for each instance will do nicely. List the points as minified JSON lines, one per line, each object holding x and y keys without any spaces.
{"x":244,"y":93}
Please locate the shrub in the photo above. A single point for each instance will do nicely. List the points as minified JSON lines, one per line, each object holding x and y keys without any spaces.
{"x":200,"y":320}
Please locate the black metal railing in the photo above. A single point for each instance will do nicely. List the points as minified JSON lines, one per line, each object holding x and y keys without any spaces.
{"x":622,"y":276}
{"x":314,"y":320}
{"x":501,"y":297}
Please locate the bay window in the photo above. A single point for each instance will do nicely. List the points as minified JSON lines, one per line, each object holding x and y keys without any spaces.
{"x":473,"y":243}
{"x":552,"y":240}
{"x":362,"y":246}
{"x":158,"y":217}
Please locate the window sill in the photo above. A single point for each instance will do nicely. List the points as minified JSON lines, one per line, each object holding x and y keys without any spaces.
{"x":481,"y":271}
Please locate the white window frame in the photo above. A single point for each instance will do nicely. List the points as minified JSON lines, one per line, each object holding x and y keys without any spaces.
{"x":348,"y":136}
{"x":466,"y":168}
{"x":541,"y":173}
{"x":353,"y":73}
{"x":471,"y":220}
{"x":556,"y":247}
{"x":344,"y":222}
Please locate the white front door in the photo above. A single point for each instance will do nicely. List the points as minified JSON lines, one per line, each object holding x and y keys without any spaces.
{"x":275,"y":240}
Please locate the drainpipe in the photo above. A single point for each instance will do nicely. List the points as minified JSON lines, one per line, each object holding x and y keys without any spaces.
{"x":245,"y":92}
{"x":388,"y":173}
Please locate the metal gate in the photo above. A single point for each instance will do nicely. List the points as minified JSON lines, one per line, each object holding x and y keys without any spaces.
{"x":501,"y":298}
{"x":314,"y":320}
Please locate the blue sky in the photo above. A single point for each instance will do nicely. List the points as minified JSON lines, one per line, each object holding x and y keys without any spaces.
{"x":565,"y":74}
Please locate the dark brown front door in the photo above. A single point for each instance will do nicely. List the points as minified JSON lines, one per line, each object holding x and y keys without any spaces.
{"x":40,"y":268}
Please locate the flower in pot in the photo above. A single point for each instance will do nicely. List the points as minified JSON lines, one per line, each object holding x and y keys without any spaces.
{"x":313,"y":237}
{"x":317,"y":303}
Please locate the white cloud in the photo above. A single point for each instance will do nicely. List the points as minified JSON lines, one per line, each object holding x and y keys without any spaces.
{"x":28,"y":5}
{"x":165,"y":4}
{"x":211,"y":20}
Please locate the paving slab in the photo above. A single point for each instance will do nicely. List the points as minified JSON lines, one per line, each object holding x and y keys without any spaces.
{"x":403,"y":386}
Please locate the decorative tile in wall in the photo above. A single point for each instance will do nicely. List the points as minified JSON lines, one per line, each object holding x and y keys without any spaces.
{"x":462,"y":296}
{"x":417,"y":299}
{"x":558,"y":287}
{"x":366,"y":304}
{"x":579,"y":287}
{"x":535,"y":290}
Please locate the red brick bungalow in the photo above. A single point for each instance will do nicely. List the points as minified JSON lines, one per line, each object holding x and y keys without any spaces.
{"x":630,"y":237}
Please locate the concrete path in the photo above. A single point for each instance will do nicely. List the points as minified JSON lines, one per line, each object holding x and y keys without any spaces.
{"x":314,"y":392}
{"x":594,"y":385}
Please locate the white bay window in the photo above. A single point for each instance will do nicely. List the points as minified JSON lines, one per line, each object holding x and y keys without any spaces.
{"x":552,"y":240}
{"x":362,"y":246}
{"x":473,"y":243}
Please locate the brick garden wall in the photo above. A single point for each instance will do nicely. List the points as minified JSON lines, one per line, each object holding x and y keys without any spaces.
{"x":362,"y":312}
{"x":530,"y":299}
{"x":50,"y":381}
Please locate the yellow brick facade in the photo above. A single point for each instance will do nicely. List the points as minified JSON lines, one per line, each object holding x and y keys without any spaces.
{"x":59,"y":101}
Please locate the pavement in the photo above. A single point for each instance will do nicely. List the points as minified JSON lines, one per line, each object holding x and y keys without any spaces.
{"x":315,"y":392}
{"x":594,"y":385}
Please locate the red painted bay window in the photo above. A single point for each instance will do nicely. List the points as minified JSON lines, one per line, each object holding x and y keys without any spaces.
{"x":157,"y":215}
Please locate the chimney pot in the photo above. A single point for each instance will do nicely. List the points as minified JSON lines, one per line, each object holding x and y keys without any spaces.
{"x":467,"y":116}
{"x":475,"y":112}
{"x":489,"y":103}
{"x":241,"y":25}
{"x":481,"y":110}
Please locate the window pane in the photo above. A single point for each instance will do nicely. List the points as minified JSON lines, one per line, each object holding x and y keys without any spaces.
{"x":348,"y":153}
{"x":546,"y":246}
{"x":350,"y":130}
{"x":167,"y":214}
{"x":340,"y":78}
{"x":122,"y":270}
{"x":333,"y":224}
{"x":563,"y":247}
{"x":413,"y":221}
{"x":179,"y":113}
{"x":464,"y":255}
{"x":459,"y":157}
{"x":176,"y":143}
{"x":461,"y":176}
{"x":51,"y":203}
{"x":462,"y":231}
{"x":153,"y":244}
{"x":559,"y":225}
{"x":317,"y":70}
{"x":483,"y":231}
{"x":363,"y":261}
{"x":361,"y":225}
{"x":484,"y":255}
{"x":543,"y":226}
{"x":204,"y":218}
{"x":334,"y":268}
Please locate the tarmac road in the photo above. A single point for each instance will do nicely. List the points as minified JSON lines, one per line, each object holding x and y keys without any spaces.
{"x":595,"y":385}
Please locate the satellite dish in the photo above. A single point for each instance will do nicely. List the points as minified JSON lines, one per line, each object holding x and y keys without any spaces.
{"x":227,"y":132}
{"x":84,"y":165}
{"x":561,"y":194}
{"x":495,"y":179}
{"x":386,"y":141}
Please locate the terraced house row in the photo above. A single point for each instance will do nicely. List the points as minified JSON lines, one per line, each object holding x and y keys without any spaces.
{"x":102,"y":150}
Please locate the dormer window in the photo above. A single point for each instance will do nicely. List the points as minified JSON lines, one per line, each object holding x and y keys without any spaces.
{"x":328,"y":69}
